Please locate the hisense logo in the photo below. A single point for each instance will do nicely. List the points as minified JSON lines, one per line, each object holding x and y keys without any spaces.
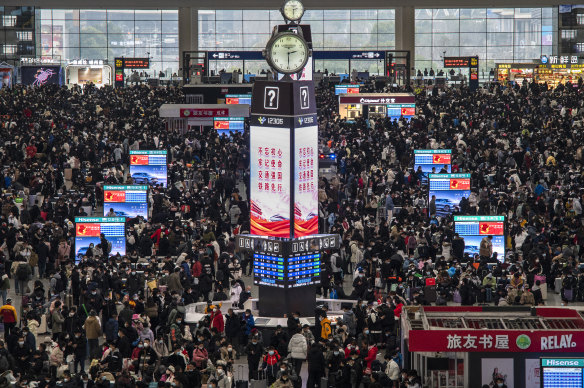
{"x":561,"y":363}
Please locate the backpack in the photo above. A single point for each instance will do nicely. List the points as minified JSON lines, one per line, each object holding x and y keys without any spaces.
{"x":59,"y":285}
{"x":22,"y":272}
{"x":333,"y":294}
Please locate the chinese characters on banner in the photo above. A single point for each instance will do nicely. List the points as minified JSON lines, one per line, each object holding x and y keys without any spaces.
{"x":270,"y":181}
{"x":306,"y":181}
{"x":486,"y":341}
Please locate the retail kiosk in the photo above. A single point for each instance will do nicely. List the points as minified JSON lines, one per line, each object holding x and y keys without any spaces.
{"x":377,"y":105}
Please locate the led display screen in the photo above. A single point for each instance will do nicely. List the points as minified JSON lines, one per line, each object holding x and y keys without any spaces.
{"x":449,"y":189}
{"x":88,"y":230}
{"x":396,"y":111}
{"x":432,"y":161}
{"x":225,"y":125}
{"x":305,"y":181}
{"x":346,"y":89}
{"x":270,"y":181}
{"x":41,"y":75}
{"x":474,"y":228}
{"x":562,"y":373}
{"x":232,"y":99}
{"x":149,"y":168}
{"x":126,"y":201}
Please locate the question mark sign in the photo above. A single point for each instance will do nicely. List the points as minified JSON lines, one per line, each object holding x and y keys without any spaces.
{"x":305,"y":96}
{"x":272,"y":95}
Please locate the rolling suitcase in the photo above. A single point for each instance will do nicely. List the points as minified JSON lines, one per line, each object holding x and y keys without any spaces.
{"x":558,"y":284}
{"x":430,"y":294}
{"x":324,"y":382}
{"x":241,"y":382}
{"x":262,"y":381}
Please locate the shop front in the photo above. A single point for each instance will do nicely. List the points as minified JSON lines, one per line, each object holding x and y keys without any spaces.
{"x":377,"y":105}
{"x":460,"y":346}
{"x":86,"y":71}
{"x":184,"y":117}
{"x":515,"y":72}
{"x":548,"y":70}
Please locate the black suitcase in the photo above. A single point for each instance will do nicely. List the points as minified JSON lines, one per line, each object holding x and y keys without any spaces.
{"x":430,"y":294}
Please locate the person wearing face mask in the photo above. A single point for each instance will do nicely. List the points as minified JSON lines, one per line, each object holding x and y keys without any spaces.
{"x":334,"y":357}
{"x":297,"y":349}
{"x":200,"y":356}
{"x":270,"y":364}
{"x":283,"y":381}
{"x":79,"y":344}
{"x":22,"y":355}
{"x":146,"y":358}
{"x":228,"y":355}
{"x":176,"y":330}
{"x":217,"y":321}
{"x":93,"y":332}
{"x":254,"y":352}
{"x":500,"y":383}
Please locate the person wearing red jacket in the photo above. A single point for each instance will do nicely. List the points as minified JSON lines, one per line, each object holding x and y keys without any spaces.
{"x":270,"y":364}
{"x":371,"y":355}
{"x":196,"y":269}
{"x":158,"y":234}
{"x":217,"y":320}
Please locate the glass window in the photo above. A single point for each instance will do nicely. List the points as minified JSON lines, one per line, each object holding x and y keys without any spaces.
{"x":473,"y":25}
{"x":386,"y":14}
{"x":170,"y":40}
{"x":169,"y":14}
{"x":364,"y":40}
{"x":500,"y":25}
{"x":337,"y":40}
{"x":368,"y":14}
{"x":386,"y":41}
{"x":229,"y":40}
{"x":337,"y":14}
{"x":255,"y":14}
{"x":256,"y":41}
{"x":363,"y":26}
{"x":229,"y":15}
{"x":473,"y":13}
{"x":92,"y":14}
{"x":445,"y":26}
{"x":120,"y":15}
{"x":423,"y":14}
{"x":170,"y":27}
{"x":93,"y":52}
{"x":473,"y":39}
{"x":229,"y":26}
{"x":445,"y":13}
{"x":424,"y":26}
{"x":500,"y":39}
{"x":255,"y":26}
{"x":423,"y":40}
{"x":500,"y":13}
{"x":147,"y":15}
{"x":311,"y":14}
{"x":93,"y":40}
{"x":143,"y":26}
{"x":336,"y":26}
{"x":120,"y":26}
{"x":93,"y":26}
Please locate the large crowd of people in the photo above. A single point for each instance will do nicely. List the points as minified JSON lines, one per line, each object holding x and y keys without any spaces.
{"x":122,"y":319}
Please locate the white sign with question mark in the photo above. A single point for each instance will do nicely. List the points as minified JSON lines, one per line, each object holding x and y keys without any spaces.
{"x":304,"y":100}
{"x":271,"y":97}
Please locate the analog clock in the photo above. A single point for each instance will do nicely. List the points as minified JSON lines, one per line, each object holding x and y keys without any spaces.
{"x":292,"y":10}
{"x":287,"y":52}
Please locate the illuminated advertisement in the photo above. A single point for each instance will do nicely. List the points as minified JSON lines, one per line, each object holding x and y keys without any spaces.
{"x":449,"y":189}
{"x":270,"y":180}
{"x":474,"y":228}
{"x":149,"y":168}
{"x":305,"y":180}
{"x":226,"y":125}
{"x":233,"y":99}
{"x":6,"y":77}
{"x":126,"y":201}
{"x":397,"y":111}
{"x":432,"y":161}
{"x":89,"y":229}
{"x":346,"y":89}
{"x":41,"y":75}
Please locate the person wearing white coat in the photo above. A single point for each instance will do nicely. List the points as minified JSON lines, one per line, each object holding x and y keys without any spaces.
{"x":298,"y":350}
{"x":235,"y":292}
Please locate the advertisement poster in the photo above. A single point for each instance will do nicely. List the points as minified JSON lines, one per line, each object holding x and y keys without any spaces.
{"x":126,"y":201}
{"x":270,"y":181}
{"x":306,"y":181}
{"x":494,"y":368}
{"x":149,"y":167}
{"x":5,"y":77}
{"x":430,"y":161}
{"x":86,"y":75}
{"x":88,"y":230}
{"x":41,"y":75}
{"x":532,"y":373}
{"x":449,"y":189}
{"x":474,"y":228}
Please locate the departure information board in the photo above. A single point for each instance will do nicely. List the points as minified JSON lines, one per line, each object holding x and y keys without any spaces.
{"x":149,"y":167}
{"x":449,"y":189}
{"x":562,"y":373}
{"x":126,"y":201}
{"x":474,"y":228}
{"x":396,"y":111}
{"x":290,"y":272}
{"x":432,"y":161}
{"x":89,"y":229}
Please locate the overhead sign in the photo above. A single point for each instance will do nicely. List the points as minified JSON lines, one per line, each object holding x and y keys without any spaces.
{"x":456,"y":62}
{"x":495,"y":341}
{"x":149,"y":167}
{"x":235,"y":55}
{"x":86,"y":62}
{"x":432,"y":161}
{"x":136,"y":63}
{"x":89,"y":229}
{"x":126,"y":201}
{"x":373,"y":100}
{"x":193,"y":112}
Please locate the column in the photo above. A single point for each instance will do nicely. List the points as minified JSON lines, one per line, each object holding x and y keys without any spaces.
{"x":188,"y":30}
{"x":405,"y":31}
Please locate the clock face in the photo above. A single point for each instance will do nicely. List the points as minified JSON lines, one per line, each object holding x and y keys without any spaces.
{"x":288,"y":53}
{"x":293,"y":10}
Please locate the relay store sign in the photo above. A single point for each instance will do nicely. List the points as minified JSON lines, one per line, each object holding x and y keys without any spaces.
{"x":494,"y":341}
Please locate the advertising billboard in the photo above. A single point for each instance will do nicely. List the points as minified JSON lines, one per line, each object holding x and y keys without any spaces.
{"x":270,"y":179}
{"x":149,"y":167}
{"x":234,"y":99}
{"x":225,"y":125}
{"x":88,"y":230}
{"x":397,"y":111}
{"x":474,"y":228}
{"x":449,"y":189}
{"x":126,"y":201}
{"x":432,"y":161}
{"x":41,"y":75}
{"x":344,"y":89}
{"x":306,"y":179}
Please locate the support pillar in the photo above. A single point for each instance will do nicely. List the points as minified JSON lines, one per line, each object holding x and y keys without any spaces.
{"x":405,"y":31}
{"x":188,"y":31}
